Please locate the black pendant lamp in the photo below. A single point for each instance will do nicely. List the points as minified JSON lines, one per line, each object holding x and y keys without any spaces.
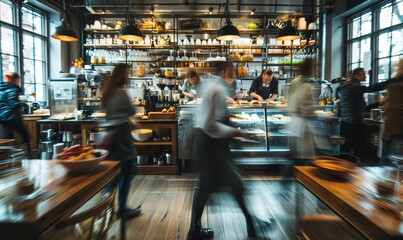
{"x":130,"y":32}
{"x":228,"y":32}
{"x":63,"y":32}
{"x":289,"y":32}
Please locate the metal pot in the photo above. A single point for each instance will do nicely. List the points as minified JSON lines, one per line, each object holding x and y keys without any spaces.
{"x":142,"y":160}
{"x":376,"y":114}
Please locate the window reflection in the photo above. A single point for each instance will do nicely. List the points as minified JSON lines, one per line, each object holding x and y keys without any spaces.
{"x":6,"y":12}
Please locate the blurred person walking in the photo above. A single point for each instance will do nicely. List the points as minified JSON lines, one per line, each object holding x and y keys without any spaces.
{"x":393,"y":125}
{"x":211,"y":150}
{"x":10,"y":108}
{"x":119,"y":109}
{"x":300,"y":105}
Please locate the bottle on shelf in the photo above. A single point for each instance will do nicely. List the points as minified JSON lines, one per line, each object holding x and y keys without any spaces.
{"x":311,"y":40}
{"x":169,"y":40}
{"x":108,"y":39}
{"x":102,"y":39}
{"x":115,"y":39}
{"x":303,"y":40}
{"x":95,"y":39}
{"x":88,"y":40}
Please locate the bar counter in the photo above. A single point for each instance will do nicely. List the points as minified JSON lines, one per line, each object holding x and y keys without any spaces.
{"x":62,"y":194}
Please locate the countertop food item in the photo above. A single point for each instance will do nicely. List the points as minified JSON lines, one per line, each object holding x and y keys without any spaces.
{"x":77,"y":152}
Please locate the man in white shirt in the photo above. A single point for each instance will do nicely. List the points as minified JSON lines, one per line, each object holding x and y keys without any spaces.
{"x":211,"y":150}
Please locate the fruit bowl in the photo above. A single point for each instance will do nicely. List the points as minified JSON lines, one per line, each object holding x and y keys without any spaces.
{"x":142,"y":135}
{"x":84,"y":164}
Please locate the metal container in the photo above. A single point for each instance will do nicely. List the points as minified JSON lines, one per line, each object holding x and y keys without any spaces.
{"x":376,"y":114}
{"x":168,"y":158}
{"x":142,"y":160}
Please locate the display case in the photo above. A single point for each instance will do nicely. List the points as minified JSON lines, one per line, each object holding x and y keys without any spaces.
{"x":251,"y":120}
{"x":277,"y":120}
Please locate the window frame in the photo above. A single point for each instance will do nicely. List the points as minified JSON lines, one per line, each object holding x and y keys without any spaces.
{"x":374,"y":35}
{"x":17,"y":11}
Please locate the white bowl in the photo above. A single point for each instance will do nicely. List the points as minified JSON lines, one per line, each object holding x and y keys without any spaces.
{"x":85,"y":164}
{"x":142,"y":135}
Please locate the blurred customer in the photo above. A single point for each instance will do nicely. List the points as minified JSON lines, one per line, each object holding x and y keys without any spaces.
{"x":351,"y":111}
{"x":10,"y":107}
{"x":211,"y":150}
{"x":264,"y":87}
{"x":119,"y":109}
{"x":300,"y":105}
{"x":191,"y":88}
{"x":393,"y":125}
{"x":232,"y":85}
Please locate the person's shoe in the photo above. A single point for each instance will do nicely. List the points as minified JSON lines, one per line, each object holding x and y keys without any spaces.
{"x":130,"y":213}
{"x":251,"y":230}
{"x":200,"y":233}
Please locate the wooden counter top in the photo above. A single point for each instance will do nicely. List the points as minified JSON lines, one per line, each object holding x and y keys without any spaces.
{"x":353,"y":200}
{"x":63,"y":194}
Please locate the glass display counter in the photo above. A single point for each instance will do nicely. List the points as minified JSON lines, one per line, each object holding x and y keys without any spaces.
{"x":268,"y":123}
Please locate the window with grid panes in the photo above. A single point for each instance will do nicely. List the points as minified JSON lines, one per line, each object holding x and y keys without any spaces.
{"x":376,"y":35}
{"x":33,"y":42}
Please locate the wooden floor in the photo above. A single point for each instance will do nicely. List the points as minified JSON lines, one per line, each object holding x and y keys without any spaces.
{"x":166,"y":203}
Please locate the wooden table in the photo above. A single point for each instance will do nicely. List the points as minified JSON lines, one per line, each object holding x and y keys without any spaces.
{"x":352,"y":200}
{"x":7,"y":142}
{"x":64,"y":194}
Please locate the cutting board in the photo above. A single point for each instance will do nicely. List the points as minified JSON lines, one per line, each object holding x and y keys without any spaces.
{"x":161,"y":115}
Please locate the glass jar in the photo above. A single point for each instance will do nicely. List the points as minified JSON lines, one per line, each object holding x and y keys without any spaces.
{"x":242,"y":70}
{"x":94,"y":59}
{"x":141,"y":71}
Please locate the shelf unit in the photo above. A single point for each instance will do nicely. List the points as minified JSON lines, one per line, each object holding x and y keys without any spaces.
{"x":155,"y":149}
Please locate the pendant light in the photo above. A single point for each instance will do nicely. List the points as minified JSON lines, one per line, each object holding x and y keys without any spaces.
{"x":63,"y":32}
{"x":289,"y":32}
{"x":130,"y":32}
{"x":228,"y":32}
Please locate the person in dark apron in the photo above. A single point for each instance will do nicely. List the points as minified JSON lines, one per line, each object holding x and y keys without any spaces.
{"x":211,"y":151}
{"x":265,"y":87}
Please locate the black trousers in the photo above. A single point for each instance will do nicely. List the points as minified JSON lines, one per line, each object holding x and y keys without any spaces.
{"x":355,"y":138}
{"x":216,"y":170}
{"x":17,"y":126}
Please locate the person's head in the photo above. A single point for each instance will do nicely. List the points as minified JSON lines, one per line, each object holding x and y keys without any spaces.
{"x":399,"y":70}
{"x":118,"y":79}
{"x":267,"y":76}
{"x":359,"y":75}
{"x":229,"y":75}
{"x":12,"y":77}
{"x":307,"y":67}
{"x":193,"y":77}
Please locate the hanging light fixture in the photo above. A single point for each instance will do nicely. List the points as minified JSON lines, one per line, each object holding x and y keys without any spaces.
{"x":289,"y":32}
{"x":228,"y":32}
{"x":130,"y":32}
{"x":253,"y":12}
{"x":63,"y":32}
{"x":210,"y":10}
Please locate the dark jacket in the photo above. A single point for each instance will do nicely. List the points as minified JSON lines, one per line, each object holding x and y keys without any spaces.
{"x":10,"y":105}
{"x":352,"y":103}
